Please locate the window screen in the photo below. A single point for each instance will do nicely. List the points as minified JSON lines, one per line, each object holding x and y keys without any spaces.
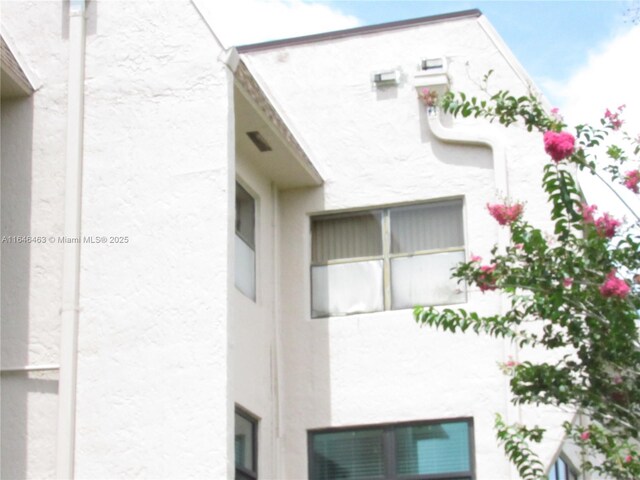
{"x":433,"y":449}
{"x":350,"y":454}
{"x":245,"y":243}
{"x":388,"y":258}
{"x":426,"y":450}
{"x":245,"y":446}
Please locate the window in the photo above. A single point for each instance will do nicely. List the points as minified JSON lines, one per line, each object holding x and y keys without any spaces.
{"x":245,"y":243}
{"x":425,"y":450}
{"x":562,"y":471}
{"x":386,"y":259}
{"x":246,"y":446}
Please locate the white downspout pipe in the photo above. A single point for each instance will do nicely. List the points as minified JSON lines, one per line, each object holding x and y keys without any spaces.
{"x":71,"y":262}
{"x":486,"y":137}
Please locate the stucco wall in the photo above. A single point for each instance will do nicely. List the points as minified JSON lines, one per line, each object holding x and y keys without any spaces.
{"x":152,"y":374}
{"x":152,"y":396}
{"x":254,"y":347}
{"x":374,"y":148}
{"x":33,"y":155}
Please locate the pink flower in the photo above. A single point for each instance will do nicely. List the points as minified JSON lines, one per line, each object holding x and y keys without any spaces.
{"x":631,"y":180}
{"x":614,"y":286}
{"x":555,"y":114}
{"x":519,"y":246}
{"x":505,"y":214}
{"x":584,"y":436}
{"x":617,"y":380}
{"x":628,"y":459}
{"x":428,"y":97}
{"x":567,"y":282}
{"x":488,"y":268}
{"x":614,"y":118}
{"x":559,"y":145}
{"x":587,"y":212}
{"x":511,"y":363}
{"x":476,"y":258}
{"x":606,"y":225}
{"x":486,"y":280}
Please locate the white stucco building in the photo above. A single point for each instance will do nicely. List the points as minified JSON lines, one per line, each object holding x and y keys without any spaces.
{"x":210,"y":255}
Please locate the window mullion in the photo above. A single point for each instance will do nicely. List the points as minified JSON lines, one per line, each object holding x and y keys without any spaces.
{"x":389,"y":453}
{"x":386,"y":252}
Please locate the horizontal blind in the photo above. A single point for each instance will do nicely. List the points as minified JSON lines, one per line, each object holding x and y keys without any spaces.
{"x":426,"y":227}
{"x":433,"y":449}
{"x":343,"y":237}
{"x":352,"y":454}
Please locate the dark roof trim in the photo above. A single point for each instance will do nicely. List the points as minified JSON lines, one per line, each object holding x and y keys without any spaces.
{"x":381,"y":27}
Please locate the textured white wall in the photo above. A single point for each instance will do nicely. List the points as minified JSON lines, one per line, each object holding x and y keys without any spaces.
{"x":153,"y":377}
{"x":153,"y":397}
{"x":33,"y":156}
{"x":373,"y":147}
{"x":253,"y":331}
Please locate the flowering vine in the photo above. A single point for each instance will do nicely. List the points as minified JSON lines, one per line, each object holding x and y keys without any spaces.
{"x":581,"y":283}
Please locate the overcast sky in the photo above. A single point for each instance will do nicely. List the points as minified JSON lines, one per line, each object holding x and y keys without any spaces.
{"x":583,"y":55}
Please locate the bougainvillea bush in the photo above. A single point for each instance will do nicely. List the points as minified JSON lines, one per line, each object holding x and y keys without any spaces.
{"x":575,"y":284}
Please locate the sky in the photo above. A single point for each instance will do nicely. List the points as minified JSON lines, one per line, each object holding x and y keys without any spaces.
{"x":583,"y":55}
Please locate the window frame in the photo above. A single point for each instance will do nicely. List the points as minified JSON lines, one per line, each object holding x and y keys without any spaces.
{"x":240,"y":184}
{"x":389,"y":447}
{"x":253,"y":420}
{"x":386,"y":256}
{"x":570,"y":471}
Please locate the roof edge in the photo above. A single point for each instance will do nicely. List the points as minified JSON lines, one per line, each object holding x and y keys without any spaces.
{"x":380,"y":27}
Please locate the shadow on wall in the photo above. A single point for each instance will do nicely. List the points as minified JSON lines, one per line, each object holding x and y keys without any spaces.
{"x":306,"y":353}
{"x":15,"y":192}
{"x":457,"y":155}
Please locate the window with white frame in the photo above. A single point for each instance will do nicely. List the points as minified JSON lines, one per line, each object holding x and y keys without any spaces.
{"x":246,"y":446}
{"x":386,"y":258}
{"x":245,"y":243}
{"x":416,"y":451}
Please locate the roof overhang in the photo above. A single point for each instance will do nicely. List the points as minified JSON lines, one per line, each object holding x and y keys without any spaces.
{"x":286,"y":163}
{"x":13,"y":80}
{"x":350,"y":32}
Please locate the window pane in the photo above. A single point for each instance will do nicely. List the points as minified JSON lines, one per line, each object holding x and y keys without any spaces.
{"x":358,"y":235}
{"x":245,"y":216}
{"x":426,"y":227}
{"x":425,"y":280}
{"x":245,"y":268}
{"x":344,"y":288}
{"x":433,"y":449}
{"x":348,"y":455}
{"x":561,"y":469}
{"x":244,"y":443}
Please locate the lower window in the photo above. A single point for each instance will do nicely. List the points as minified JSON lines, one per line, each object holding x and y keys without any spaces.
{"x":423,"y":450}
{"x":562,"y":471}
{"x":246,"y":446}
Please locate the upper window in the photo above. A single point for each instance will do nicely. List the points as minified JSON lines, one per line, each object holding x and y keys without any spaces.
{"x":246,"y":446}
{"x":245,"y":242}
{"x":433,"y":450}
{"x":386,"y":259}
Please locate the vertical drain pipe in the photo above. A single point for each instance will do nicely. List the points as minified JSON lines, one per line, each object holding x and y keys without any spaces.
{"x":71,"y":263}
